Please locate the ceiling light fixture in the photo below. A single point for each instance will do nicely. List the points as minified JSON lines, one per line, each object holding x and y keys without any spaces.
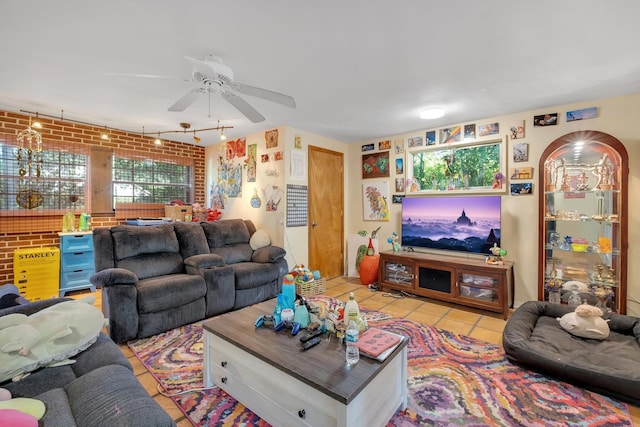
{"x":196,"y":139}
{"x":432,"y":113}
{"x":158,"y":141}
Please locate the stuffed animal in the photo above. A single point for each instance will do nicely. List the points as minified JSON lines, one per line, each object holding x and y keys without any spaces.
{"x":19,"y":412}
{"x":48,"y":337}
{"x":585,"y":322}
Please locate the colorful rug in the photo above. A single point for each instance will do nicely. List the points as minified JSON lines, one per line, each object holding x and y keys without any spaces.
{"x":453,"y":381}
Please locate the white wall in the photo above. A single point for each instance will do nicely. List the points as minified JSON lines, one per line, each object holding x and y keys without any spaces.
{"x":616,"y":116}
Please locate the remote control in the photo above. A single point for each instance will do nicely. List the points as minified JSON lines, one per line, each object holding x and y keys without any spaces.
{"x":313,"y":341}
{"x":308,"y":335}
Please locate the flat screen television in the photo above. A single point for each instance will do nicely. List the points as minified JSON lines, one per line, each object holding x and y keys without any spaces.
{"x":454,"y":223}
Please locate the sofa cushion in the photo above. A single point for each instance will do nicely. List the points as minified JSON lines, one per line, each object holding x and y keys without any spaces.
{"x":226,"y":232}
{"x":151,"y":265}
{"x":131,"y":240}
{"x":259,"y":239}
{"x":164,"y":292}
{"x":191,"y":238}
{"x":253,"y":274}
{"x":240,"y":252}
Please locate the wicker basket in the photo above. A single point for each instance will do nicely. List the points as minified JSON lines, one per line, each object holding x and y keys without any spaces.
{"x":310,"y":288}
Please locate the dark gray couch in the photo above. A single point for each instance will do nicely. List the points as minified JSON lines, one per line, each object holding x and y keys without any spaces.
{"x":533,"y":338}
{"x":156,"y":278}
{"x":98,"y":390}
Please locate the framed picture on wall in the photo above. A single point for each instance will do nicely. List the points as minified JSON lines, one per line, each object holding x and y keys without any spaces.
{"x":521,"y":152}
{"x":375,"y":165}
{"x":375,"y":199}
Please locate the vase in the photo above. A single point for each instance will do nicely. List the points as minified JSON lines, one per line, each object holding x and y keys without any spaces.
{"x":368,"y":271}
{"x":554,"y":297}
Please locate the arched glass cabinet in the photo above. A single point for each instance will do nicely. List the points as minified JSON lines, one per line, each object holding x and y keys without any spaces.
{"x":583,"y":221}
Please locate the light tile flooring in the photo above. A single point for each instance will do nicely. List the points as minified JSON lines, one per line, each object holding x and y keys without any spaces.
{"x":479,"y":324}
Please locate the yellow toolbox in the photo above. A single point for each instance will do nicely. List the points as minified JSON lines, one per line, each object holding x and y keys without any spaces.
{"x":36,"y":272}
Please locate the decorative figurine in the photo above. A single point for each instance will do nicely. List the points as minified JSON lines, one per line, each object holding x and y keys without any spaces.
{"x":394,"y":242}
{"x":498,"y":254}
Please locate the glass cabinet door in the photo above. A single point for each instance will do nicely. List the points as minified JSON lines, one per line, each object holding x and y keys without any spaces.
{"x":397,"y":272}
{"x":583,"y":235}
{"x":478,"y":287}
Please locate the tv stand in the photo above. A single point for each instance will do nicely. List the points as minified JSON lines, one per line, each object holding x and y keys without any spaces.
{"x":464,"y":281}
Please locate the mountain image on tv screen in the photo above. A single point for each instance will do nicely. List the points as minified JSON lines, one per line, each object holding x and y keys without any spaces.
{"x":466,"y":224}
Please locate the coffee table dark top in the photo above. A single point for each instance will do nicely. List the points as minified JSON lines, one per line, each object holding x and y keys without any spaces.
{"x":323,"y":367}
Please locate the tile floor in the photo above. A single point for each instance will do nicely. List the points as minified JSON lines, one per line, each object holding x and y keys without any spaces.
{"x":479,"y":324}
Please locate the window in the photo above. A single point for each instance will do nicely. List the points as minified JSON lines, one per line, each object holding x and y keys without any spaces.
{"x":138,"y":181}
{"x":464,"y":167}
{"x":62,"y":181}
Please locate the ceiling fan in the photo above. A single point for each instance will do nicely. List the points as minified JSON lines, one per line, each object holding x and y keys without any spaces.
{"x":214,"y":76}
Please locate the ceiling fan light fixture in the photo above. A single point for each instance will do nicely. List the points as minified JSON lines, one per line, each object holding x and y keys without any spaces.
{"x":432,"y":113}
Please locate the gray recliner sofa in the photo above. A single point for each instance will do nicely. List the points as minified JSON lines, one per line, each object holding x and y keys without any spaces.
{"x":98,"y":390}
{"x":156,"y":278}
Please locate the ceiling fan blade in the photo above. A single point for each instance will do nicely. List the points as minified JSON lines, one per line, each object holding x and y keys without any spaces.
{"x":188,"y":99}
{"x":242,"y":106}
{"x":269,"y":95}
{"x":149,"y":76}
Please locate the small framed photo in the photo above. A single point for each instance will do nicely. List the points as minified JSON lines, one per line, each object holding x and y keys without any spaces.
{"x":399,"y":166}
{"x":384,"y":145}
{"x":398,"y":144}
{"x":489,"y":129}
{"x":516,"y":130}
{"x":550,"y":119}
{"x":368,"y":147}
{"x":397,"y":198}
{"x":521,"y":152}
{"x":414,"y":142}
{"x":400,"y":185}
{"x":525,"y":172}
{"x":448,"y":135}
{"x":470,"y":131}
{"x":524,"y":189}
{"x":430,"y":137}
{"x":585,"y":113}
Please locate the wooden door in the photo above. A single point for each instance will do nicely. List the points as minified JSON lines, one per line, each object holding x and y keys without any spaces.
{"x":326,"y":211}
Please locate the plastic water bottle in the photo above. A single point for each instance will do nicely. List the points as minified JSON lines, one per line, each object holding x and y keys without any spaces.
{"x":289,"y":291}
{"x":352,"y":333}
{"x":277,"y":311}
{"x":351,"y":310}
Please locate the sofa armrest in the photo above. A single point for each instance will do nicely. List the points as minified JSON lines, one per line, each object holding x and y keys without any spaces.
{"x":268,"y":254}
{"x":203,"y":261}
{"x":113,"y":277}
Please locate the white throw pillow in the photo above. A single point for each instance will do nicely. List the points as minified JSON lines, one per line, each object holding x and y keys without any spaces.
{"x":260,"y":239}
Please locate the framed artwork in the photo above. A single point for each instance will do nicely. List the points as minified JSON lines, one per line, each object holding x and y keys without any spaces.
{"x":525,"y":172}
{"x":298,"y":165}
{"x":384,"y":145}
{"x":264,"y":158}
{"x":452,"y":134}
{"x":521,"y":152}
{"x":252,"y":151}
{"x":375,"y":165}
{"x":297,"y":142}
{"x":416,"y":141}
{"x":397,"y":198}
{"x":516,"y":130}
{"x":399,"y":166}
{"x":400,"y":185}
{"x":489,"y":129}
{"x":470,"y":131}
{"x":525,"y":189}
{"x":297,"y":205}
{"x":585,"y":113}
{"x":368,"y":147}
{"x":271,"y":138}
{"x":430,"y":137}
{"x":398,"y":144}
{"x":375,"y":196}
{"x":550,"y":119}
{"x":277,"y":155}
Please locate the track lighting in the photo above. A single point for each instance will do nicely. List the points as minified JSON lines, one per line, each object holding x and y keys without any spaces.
{"x":196,"y":139}
{"x":158,"y":141}
{"x":36,"y":124}
{"x":105,"y":135}
{"x":223,"y":137}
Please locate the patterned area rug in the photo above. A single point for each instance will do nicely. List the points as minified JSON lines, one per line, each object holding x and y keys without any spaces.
{"x":453,"y":381}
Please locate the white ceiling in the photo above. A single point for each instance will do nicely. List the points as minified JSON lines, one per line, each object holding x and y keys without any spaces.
{"x":358,"y":69}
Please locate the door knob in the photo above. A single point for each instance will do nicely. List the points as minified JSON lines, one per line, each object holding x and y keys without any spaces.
{"x":313,"y":224}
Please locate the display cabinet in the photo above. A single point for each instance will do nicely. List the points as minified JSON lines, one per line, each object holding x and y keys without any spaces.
{"x":583,"y":221}
{"x":460,"y":280}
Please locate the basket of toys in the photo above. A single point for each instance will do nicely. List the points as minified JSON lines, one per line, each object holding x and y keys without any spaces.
{"x":307,"y":283}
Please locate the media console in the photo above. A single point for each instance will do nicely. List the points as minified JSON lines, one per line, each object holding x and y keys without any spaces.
{"x":464,"y":281}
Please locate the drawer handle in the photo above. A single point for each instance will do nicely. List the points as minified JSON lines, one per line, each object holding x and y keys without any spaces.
{"x":302,"y":414}
{"x":224,"y":380}
{"x":224,"y":364}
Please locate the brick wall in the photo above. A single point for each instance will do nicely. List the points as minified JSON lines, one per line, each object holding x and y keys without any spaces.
{"x":34,"y":230}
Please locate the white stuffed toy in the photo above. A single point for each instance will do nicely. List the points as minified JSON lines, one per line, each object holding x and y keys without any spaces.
{"x":48,"y":337}
{"x":585,"y":322}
